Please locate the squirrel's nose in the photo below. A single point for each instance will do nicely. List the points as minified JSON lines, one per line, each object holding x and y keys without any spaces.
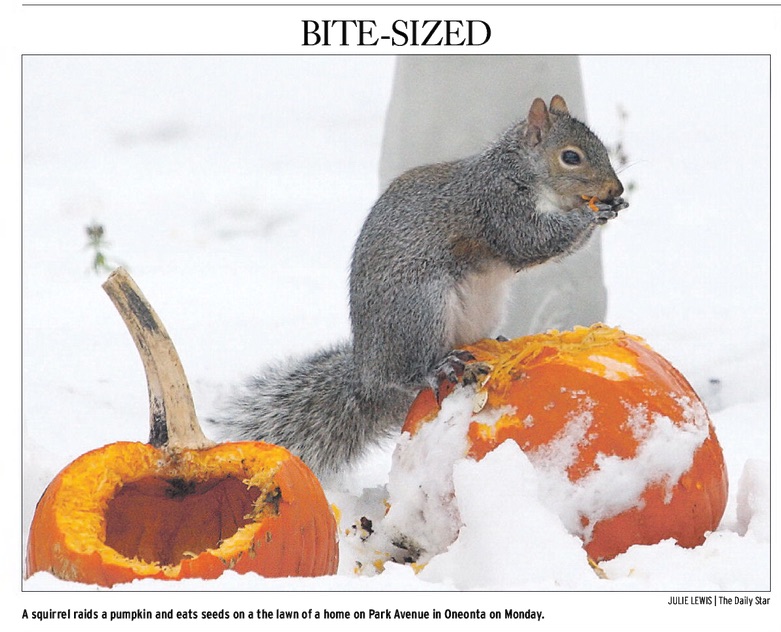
{"x":615,"y":190}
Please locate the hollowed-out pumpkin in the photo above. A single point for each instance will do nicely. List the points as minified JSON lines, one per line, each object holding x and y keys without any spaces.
{"x":611,"y":418}
{"x":179,"y":506}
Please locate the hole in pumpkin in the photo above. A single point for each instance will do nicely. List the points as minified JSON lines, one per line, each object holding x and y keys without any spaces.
{"x":163,"y":521}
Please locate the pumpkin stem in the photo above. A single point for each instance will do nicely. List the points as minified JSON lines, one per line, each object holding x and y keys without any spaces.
{"x":172,"y":419}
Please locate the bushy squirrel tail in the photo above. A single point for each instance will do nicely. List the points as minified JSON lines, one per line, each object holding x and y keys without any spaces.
{"x":316,"y":408}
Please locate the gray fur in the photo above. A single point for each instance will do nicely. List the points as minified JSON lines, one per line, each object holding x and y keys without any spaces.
{"x":317,"y":408}
{"x":432,"y":258}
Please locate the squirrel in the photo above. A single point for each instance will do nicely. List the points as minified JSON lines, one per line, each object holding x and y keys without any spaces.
{"x":429,"y":274}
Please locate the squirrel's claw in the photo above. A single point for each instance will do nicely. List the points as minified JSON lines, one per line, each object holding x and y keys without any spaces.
{"x":476,"y":373}
{"x":457,"y":366}
{"x":619,"y":204}
{"x":603,"y":215}
{"x":608,"y":210}
{"x":451,"y":368}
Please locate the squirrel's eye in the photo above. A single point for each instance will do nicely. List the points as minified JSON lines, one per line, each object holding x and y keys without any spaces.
{"x":570,"y":157}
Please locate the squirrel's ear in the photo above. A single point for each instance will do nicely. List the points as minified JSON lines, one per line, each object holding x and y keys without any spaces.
{"x":558,"y":105}
{"x":537,"y":123}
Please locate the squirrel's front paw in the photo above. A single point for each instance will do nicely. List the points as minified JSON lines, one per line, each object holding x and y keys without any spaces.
{"x":603,"y":211}
{"x":457,"y":366}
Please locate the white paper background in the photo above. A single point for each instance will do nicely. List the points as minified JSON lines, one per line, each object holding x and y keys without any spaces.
{"x":707,"y":272}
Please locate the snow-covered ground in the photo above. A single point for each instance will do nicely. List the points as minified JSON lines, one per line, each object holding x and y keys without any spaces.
{"x":233,"y":188}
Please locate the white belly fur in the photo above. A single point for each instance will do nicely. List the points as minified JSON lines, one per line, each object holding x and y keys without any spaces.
{"x":476,"y":305}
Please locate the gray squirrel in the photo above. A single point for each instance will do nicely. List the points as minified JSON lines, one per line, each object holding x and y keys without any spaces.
{"x":429,"y":274}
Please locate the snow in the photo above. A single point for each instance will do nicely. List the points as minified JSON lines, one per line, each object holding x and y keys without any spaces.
{"x":233,"y":189}
{"x":528,"y":536}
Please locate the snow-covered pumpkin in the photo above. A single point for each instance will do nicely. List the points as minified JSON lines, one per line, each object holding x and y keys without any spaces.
{"x":623,"y":440}
{"x":179,"y":506}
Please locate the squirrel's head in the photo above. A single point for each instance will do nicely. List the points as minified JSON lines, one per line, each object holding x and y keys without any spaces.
{"x":576,"y":163}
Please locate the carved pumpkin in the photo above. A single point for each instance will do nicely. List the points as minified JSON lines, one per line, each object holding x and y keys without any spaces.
{"x":606,"y":414}
{"x":179,"y":506}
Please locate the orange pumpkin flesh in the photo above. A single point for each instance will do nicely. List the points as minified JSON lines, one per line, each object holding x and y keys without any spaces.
{"x":132,"y":510}
{"x":612,"y":390}
{"x":591,"y":200}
